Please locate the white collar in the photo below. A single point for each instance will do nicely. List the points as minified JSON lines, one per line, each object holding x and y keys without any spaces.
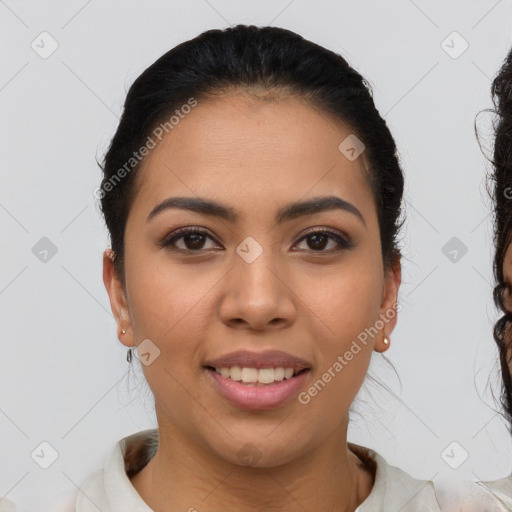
{"x":395,"y":490}
{"x":500,"y":489}
{"x":110,"y":489}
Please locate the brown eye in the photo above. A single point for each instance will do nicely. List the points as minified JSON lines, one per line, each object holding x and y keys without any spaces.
{"x":192,"y":240}
{"x":318,"y":240}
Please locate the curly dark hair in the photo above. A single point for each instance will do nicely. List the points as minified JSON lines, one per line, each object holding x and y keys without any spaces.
{"x":501,"y":180}
{"x":248,"y":57}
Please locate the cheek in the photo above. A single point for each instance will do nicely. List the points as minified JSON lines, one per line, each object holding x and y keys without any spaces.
{"x":164,"y":297}
{"x":347,"y":301}
{"x":168,"y":307}
{"x":351,"y":307}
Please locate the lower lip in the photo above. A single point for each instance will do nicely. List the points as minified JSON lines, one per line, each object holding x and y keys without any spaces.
{"x":258,"y":397}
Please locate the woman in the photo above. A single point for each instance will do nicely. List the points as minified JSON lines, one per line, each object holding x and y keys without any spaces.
{"x":252,"y":193}
{"x":497,"y":495}
{"x":501,"y":180}
{"x":502,"y":196}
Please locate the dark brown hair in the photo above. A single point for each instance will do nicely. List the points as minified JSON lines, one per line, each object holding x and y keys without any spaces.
{"x":501,"y":181}
{"x":248,"y":57}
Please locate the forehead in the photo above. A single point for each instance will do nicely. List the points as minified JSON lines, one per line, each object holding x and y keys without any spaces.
{"x":244,"y":150}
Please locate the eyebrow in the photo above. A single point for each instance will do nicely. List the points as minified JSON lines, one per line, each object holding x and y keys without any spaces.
{"x":289,"y":212}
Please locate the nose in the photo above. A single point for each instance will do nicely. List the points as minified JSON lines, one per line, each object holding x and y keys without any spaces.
{"x":258,"y":296}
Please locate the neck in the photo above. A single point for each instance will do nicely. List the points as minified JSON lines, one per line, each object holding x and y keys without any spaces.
{"x":183,"y":475}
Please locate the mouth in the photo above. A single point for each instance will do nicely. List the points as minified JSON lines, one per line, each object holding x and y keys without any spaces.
{"x":254,"y":377}
{"x":257,"y":389}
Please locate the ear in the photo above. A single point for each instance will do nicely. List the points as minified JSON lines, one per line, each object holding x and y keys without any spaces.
{"x":118,"y":302}
{"x":389,"y":306}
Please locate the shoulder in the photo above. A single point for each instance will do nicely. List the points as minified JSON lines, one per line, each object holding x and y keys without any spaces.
{"x":110,"y":488}
{"x":469,"y":496}
{"x":92,"y":494}
{"x":500,"y":489}
{"x":7,"y":505}
{"x":394,"y":489}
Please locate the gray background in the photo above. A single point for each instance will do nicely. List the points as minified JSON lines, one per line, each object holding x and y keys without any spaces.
{"x":63,"y":374}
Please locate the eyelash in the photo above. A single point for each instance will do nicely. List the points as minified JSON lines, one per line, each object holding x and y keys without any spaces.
{"x":168,"y":241}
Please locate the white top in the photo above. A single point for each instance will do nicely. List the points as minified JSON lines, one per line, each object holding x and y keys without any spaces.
{"x":7,"y":505}
{"x":501,"y":490}
{"x":110,"y":489}
{"x":468,"y":496}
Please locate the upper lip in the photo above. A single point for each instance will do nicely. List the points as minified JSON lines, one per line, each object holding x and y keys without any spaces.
{"x":259,"y":360}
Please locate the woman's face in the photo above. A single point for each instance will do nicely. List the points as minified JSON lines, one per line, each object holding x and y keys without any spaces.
{"x":253,"y":281}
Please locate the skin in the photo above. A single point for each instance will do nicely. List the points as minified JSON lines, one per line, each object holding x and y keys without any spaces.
{"x":255,"y":156}
{"x":507,"y":274}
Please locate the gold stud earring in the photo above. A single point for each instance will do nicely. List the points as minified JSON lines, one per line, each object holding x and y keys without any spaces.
{"x":123,"y":331}
{"x":386,"y":341}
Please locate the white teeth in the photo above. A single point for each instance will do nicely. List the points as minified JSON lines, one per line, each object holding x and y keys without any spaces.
{"x":253,"y":375}
{"x":235,"y":373}
{"x":266,"y":375}
{"x":249,"y":375}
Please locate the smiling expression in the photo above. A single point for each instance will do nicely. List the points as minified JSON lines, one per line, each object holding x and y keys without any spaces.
{"x":240,"y":171}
